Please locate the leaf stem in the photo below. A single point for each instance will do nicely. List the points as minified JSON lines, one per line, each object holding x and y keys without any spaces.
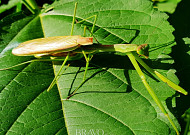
{"x":31,"y":5}
{"x":19,"y":7}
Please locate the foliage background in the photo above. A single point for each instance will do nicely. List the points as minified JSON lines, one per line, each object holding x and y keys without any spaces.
{"x":180,"y":53}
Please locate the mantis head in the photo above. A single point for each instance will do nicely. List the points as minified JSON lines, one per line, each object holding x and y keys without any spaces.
{"x":143,"y":50}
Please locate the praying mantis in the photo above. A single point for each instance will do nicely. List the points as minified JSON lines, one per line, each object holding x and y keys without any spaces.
{"x":130,"y":50}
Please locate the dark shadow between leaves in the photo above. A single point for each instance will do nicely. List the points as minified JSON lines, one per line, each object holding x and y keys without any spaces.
{"x":169,"y":104}
{"x":180,"y":21}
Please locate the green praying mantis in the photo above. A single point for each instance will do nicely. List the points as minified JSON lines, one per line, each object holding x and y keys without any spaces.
{"x":73,"y":47}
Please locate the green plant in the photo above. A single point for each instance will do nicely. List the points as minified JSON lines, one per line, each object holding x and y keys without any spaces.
{"x":113,"y":100}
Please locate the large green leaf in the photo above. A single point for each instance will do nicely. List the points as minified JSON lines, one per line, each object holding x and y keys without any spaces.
{"x":167,"y":5}
{"x":9,"y":5}
{"x":186,"y":117}
{"x":113,"y":100}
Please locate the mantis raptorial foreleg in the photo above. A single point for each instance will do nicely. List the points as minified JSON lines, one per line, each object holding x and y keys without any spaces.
{"x":149,"y":89}
{"x":164,"y":79}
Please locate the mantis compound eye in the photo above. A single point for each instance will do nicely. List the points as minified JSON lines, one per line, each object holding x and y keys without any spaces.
{"x":143,"y":50}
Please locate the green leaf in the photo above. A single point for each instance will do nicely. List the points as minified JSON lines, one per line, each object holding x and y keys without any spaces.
{"x":113,"y":100}
{"x":187,"y":42}
{"x":11,"y":4}
{"x":20,"y":94}
{"x":186,"y":117}
{"x":8,"y":30}
{"x":167,"y":5}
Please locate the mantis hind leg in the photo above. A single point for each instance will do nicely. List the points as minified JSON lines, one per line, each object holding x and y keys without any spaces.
{"x":58,"y":74}
{"x":87,"y":58}
{"x":93,"y":26}
{"x":74,"y":20}
{"x":150,"y":90}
